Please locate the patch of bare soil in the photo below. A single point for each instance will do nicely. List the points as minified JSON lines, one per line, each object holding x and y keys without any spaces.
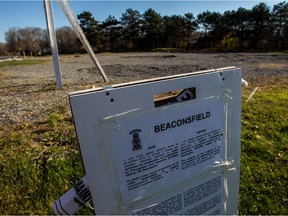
{"x":28,"y":93}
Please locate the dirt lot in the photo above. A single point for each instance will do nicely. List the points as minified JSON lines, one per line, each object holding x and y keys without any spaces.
{"x":28,"y":93}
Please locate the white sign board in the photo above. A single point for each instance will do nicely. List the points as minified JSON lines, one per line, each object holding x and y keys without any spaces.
{"x":179,"y":157}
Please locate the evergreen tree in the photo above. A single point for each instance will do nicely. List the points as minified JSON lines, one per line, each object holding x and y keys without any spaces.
{"x":209,"y":21}
{"x":260,"y":18}
{"x":280,"y":23}
{"x":90,"y":28}
{"x":191,"y":26}
{"x":152,"y":28}
{"x":239,"y":24}
{"x":131,"y":22}
{"x":111,"y":30}
{"x":175,"y":31}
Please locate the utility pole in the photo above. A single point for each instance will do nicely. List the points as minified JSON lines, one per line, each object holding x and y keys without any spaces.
{"x":53,"y":42}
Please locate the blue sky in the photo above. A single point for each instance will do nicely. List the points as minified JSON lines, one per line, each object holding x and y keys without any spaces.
{"x":22,"y":13}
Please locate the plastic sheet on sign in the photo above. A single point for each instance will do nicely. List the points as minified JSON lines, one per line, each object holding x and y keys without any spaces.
{"x":177,"y":158}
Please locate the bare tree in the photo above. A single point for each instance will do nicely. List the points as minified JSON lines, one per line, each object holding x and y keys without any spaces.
{"x":67,"y":40}
{"x":29,"y":40}
{"x":44,"y":42}
{"x":11,"y":37}
{"x":3,"y":50}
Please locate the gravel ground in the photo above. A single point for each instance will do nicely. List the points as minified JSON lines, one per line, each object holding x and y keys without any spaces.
{"x":28,"y":93}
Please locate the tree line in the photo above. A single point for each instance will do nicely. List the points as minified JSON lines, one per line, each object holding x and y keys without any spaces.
{"x":35,"y":41}
{"x":256,"y":29}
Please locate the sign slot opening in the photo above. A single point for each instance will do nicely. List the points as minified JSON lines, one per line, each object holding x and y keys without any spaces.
{"x":176,"y":96}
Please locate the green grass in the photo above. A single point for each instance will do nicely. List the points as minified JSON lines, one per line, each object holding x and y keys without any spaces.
{"x":22,"y":62}
{"x":53,"y":119}
{"x":40,"y":161}
{"x":264,"y":158}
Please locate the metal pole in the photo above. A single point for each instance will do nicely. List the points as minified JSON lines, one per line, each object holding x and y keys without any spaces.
{"x":71,"y":18}
{"x":53,"y":42}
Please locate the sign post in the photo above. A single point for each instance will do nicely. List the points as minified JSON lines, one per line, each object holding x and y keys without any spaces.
{"x":53,"y":42}
{"x":179,"y":155}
